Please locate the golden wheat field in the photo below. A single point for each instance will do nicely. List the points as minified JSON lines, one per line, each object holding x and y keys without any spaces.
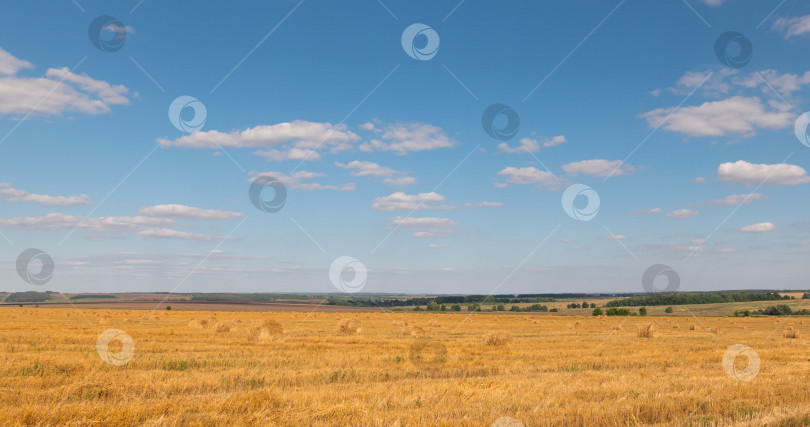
{"x":251,"y":368}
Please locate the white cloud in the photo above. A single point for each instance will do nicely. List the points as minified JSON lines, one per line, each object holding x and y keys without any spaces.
{"x":58,"y":91}
{"x":713,"y":3}
{"x":14,"y":195}
{"x":736,"y":199}
{"x":682,"y":213}
{"x":427,"y":227}
{"x":599,"y":168}
{"x":762,"y":227}
{"x":390,"y":176}
{"x":9,"y":65}
{"x":187,"y":212}
{"x":164,"y":233}
{"x":367,"y":126}
{"x":295,"y":181}
{"x":400,"y":201}
{"x":434,"y":246}
{"x":614,"y":237}
{"x":652,"y":211}
{"x":737,"y":115}
{"x":483,"y":205}
{"x":785,"y":84}
{"x":529,"y":145}
{"x":402,"y":138}
{"x":699,"y":180}
{"x":57,"y":221}
{"x":756,"y":174}
{"x":296,"y":140}
{"x":529,"y":175}
{"x":792,"y":27}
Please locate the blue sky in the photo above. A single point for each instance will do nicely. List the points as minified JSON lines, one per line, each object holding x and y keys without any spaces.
{"x":384,"y":156}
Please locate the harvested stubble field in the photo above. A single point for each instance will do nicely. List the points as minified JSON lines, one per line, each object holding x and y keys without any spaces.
{"x":542,"y":370}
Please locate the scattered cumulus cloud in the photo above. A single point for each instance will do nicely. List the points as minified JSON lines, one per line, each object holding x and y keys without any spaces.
{"x":762,"y":227}
{"x":682,"y":213}
{"x":529,"y":175}
{"x":530,"y":145}
{"x":187,"y":212}
{"x":756,"y":174}
{"x":427,"y":227}
{"x":400,"y":201}
{"x":599,"y":168}
{"x":164,"y":233}
{"x":738,"y":115}
{"x":389,"y":176}
{"x":14,"y":195}
{"x":296,"y":181}
{"x":652,"y":211}
{"x":794,"y":26}
{"x":402,"y":138}
{"x":60,"y":90}
{"x":736,"y":199}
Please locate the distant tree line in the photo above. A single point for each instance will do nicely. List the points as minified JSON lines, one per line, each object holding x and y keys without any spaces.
{"x":29,"y":296}
{"x":696,"y":298}
{"x":457,"y":299}
{"x":780,"y":310}
{"x":92,"y":296}
{"x":246,"y":297}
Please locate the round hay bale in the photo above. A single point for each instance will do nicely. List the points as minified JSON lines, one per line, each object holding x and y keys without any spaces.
{"x":646,"y":331}
{"x":266,"y":331}
{"x":349,"y":326}
{"x":498,"y":338}
{"x":417,"y":332}
{"x":198,"y":323}
{"x":223,"y":327}
{"x":435,"y":324}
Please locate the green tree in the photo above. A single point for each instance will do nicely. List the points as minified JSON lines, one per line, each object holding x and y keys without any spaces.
{"x":642,"y":311}
{"x":668,"y":310}
{"x":597,"y":311}
{"x":455,"y":307}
